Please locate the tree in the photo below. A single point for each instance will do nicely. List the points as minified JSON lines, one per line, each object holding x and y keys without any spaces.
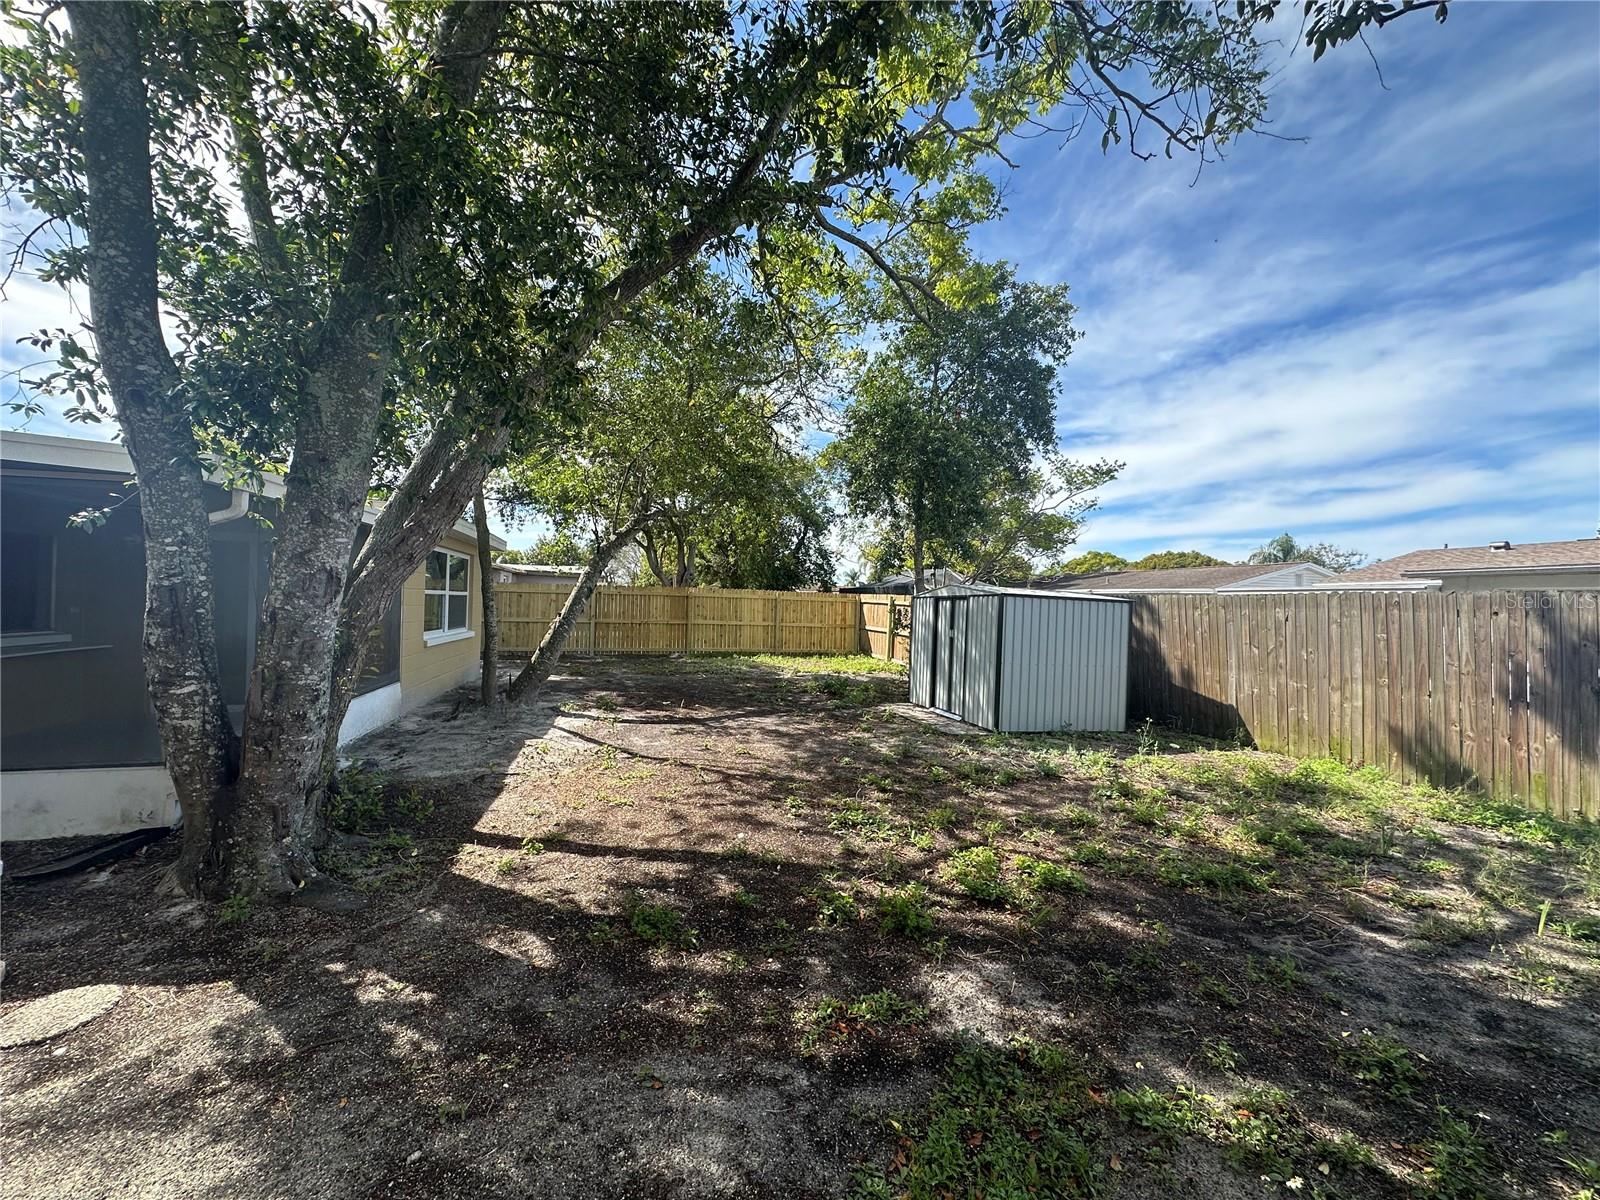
{"x":560,"y":548}
{"x":1168,"y":560}
{"x":489,"y":677}
{"x":442,"y":210}
{"x":1284,"y":549}
{"x":955,"y":408}
{"x":775,"y":540}
{"x":1091,"y":561}
{"x":692,"y":402}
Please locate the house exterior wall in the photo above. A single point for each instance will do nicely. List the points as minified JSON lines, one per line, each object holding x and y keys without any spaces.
{"x":428,"y":671}
{"x":1541,"y":581}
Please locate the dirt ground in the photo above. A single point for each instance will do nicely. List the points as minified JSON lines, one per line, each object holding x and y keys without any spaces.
{"x":726,"y":929}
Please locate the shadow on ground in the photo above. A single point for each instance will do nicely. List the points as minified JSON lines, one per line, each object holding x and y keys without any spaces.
{"x":602,"y":967}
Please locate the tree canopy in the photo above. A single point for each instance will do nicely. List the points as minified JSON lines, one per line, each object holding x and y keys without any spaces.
{"x":1284,"y":549}
{"x":1167,"y":560}
{"x":1091,"y":561}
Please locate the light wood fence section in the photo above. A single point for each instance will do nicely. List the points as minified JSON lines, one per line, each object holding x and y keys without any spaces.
{"x":886,"y":627}
{"x":1496,"y":690}
{"x":658,"y":620}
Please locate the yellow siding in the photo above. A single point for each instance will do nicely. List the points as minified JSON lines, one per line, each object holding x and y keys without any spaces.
{"x":429,"y":671}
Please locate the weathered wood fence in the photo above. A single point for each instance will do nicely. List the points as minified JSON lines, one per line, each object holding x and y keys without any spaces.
{"x":1496,"y":690}
{"x":886,"y":627}
{"x":658,"y":620}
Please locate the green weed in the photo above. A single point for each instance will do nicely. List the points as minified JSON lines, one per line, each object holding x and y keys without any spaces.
{"x":1382,"y":1062}
{"x":1002,"y":1124}
{"x":976,"y":871}
{"x":906,"y":912}
{"x":659,"y":925}
{"x":833,"y":1022}
{"x":1047,"y":876}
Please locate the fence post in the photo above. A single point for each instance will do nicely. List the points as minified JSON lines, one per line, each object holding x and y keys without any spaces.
{"x":772,"y":634}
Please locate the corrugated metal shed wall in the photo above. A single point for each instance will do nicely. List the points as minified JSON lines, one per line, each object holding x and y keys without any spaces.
{"x":953,"y":635}
{"x":974,"y":628}
{"x":1065,"y":665}
{"x":921,"y":641}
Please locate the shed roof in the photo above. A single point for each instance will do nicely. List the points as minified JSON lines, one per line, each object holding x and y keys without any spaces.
{"x":986,"y":589}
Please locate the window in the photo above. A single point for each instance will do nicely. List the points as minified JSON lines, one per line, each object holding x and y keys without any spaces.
{"x":445,"y":598}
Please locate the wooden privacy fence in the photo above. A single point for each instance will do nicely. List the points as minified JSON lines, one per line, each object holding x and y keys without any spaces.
{"x":1497,"y":690}
{"x":659,"y":620}
{"x":886,"y":627}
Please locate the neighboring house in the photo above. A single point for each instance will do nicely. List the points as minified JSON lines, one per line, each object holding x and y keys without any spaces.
{"x":505,"y":572}
{"x":904,"y":582}
{"x":1243,"y":577}
{"x":79,"y":748}
{"x":1535,"y":566}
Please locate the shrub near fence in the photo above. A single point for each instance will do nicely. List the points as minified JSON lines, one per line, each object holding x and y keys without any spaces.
{"x":657,"y":620}
{"x":1497,"y":690}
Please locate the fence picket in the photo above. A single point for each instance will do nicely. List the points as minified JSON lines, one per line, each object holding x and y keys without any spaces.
{"x":1497,"y":692}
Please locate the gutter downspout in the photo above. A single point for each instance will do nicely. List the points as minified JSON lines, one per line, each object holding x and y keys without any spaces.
{"x":238,"y":506}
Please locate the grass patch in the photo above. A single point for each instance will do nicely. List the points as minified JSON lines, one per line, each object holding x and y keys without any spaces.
{"x":906,"y":912}
{"x":1002,"y":1123}
{"x":829,"y":664}
{"x":835,"y":1022}
{"x":659,"y":925}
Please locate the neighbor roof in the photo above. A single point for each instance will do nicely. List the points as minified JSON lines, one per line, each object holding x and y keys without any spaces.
{"x":1177,"y":579}
{"x":1473,"y":560}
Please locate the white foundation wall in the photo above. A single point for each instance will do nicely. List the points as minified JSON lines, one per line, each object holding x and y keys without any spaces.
{"x":84,"y":801}
{"x":371,"y":711}
{"x":90,"y":801}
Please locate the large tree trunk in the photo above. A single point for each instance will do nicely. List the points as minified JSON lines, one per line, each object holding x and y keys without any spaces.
{"x":291,"y":701}
{"x":251,"y":832}
{"x":307,"y":654}
{"x":488,"y":685}
{"x":917,"y":587}
{"x":288,"y":705}
{"x":180,"y":652}
{"x":538,"y":669}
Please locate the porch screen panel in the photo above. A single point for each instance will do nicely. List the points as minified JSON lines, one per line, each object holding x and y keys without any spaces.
{"x":72,"y":689}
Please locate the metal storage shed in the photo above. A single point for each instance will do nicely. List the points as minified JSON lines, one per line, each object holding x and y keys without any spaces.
{"x":1020,"y":661}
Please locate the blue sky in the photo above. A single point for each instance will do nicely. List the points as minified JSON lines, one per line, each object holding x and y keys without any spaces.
{"x":1387,"y":336}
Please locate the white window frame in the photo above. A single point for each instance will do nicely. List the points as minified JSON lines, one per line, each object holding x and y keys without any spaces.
{"x":445,"y":633}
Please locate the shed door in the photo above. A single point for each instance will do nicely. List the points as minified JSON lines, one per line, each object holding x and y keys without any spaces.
{"x":950,"y":660}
